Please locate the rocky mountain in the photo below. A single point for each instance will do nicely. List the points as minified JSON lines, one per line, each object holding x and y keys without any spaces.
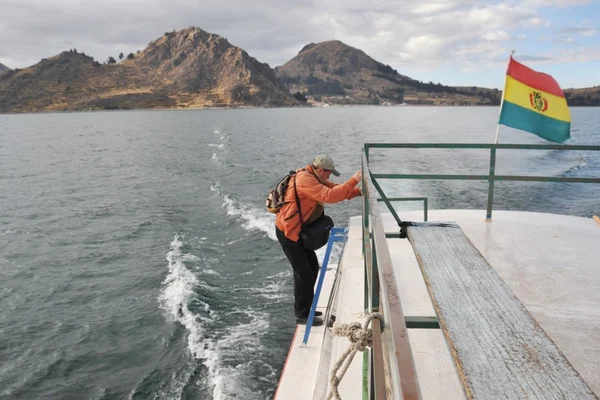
{"x":3,"y":69}
{"x":184,"y":69}
{"x":192,"y":68}
{"x":333,"y":72}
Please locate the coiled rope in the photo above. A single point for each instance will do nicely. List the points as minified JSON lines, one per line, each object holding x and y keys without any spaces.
{"x":361,"y":337}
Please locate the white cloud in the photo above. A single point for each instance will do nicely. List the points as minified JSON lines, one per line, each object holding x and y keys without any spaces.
{"x":565,"y":40}
{"x":572,"y":54}
{"x":499,"y":15}
{"x":579,"y":54}
{"x":426,"y":46}
{"x":563,"y":3}
{"x":501,"y":36}
{"x":538,"y":22}
{"x":584,"y":31}
{"x":433,"y":7}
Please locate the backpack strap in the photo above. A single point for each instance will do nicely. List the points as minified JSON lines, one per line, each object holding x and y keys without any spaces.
{"x":298,"y":201}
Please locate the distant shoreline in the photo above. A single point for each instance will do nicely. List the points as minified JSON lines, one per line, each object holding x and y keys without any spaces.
{"x":259,"y":108}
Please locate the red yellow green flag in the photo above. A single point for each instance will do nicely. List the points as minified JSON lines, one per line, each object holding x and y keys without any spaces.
{"x":534,"y":102}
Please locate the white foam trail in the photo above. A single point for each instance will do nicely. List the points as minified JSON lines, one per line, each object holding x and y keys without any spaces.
{"x":226,"y":381}
{"x":178,"y":293}
{"x":583,"y":164}
{"x":217,"y":132}
{"x":206,"y":264}
{"x":336,"y":253}
{"x":209,"y":272}
{"x":234,"y":241}
{"x":273,"y":287}
{"x":214,"y":157}
{"x":230,"y":382}
{"x":253,"y":218}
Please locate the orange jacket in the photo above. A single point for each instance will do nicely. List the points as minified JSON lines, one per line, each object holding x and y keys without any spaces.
{"x":312,"y":190}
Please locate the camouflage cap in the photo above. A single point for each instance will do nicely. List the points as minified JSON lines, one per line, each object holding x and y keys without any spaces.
{"x":325,"y":162}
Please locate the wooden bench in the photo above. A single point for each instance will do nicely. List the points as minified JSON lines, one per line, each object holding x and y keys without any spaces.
{"x":498,"y":348}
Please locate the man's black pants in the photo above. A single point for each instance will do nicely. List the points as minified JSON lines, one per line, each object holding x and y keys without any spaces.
{"x":306,"y":267}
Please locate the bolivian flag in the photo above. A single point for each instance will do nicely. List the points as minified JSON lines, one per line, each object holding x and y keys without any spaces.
{"x":534,"y":102}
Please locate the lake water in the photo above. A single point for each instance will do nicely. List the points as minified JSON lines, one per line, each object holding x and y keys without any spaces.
{"x":136,"y":257}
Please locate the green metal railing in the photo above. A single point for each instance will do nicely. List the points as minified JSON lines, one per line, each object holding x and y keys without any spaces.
{"x":391,"y":359}
{"x":491,"y":177}
{"x":391,"y":349}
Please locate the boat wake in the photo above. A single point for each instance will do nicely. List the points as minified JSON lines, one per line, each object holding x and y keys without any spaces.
{"x":253,"y":219}
{"x":178,"y":294}
{"x":220,"y":348}
{"x":579,"y":169}
{"x":230,"y":370}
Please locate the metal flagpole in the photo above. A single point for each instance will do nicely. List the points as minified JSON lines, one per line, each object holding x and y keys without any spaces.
{"x":490,"y":202}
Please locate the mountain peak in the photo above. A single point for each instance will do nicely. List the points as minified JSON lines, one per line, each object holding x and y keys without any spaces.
{"x":334,"y":72}
{"x":3,"y":69}
{"x":333,"y":47}
{"x":333,"y":68}
{"x":191,"y":34}
{"x":174,"y":48}
{"x":186,"y":68}
{"x":326,"y":58}
{"x":327,"y":44}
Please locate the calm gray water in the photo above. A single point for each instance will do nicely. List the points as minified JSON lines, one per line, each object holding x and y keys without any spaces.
{"x":136,"y":258}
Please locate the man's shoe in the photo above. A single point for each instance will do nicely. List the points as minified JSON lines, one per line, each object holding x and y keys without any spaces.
{"x":302,"y":321}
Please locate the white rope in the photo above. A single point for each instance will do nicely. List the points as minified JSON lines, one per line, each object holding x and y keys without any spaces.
{"x":360,"y":338}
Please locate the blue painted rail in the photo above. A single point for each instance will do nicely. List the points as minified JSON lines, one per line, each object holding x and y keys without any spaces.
{"x":336,"y":235}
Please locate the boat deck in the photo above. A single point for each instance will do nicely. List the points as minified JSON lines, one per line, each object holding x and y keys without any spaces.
{"x":550,"y":262}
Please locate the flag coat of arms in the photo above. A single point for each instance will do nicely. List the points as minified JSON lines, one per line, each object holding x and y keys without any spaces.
{"x":534,"y":102}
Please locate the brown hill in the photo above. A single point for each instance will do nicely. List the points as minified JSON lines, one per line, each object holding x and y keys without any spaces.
{"x":188,"y":68}
{"x":333,"y":72}
{"x":3,"y":69}
{"x":583,"y":97}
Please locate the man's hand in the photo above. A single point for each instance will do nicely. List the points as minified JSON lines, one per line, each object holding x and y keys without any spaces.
{"x":358,"y":175}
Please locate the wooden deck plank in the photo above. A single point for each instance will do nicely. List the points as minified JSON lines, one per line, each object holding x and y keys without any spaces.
{"x":296,"y":380}
{"x":500,"y":351}
{"x":349,"y":308}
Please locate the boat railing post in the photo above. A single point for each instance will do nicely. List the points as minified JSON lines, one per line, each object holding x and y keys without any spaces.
{"x":490,"y":201}
{"x":374,"y":280}
{"x":365,"y":229}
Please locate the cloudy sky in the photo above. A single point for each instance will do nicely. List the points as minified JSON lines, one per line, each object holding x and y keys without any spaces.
{"x":455,"y":42}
